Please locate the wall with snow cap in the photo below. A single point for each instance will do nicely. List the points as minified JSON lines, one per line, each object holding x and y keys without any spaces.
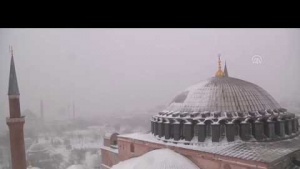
{"x":203,"y":160}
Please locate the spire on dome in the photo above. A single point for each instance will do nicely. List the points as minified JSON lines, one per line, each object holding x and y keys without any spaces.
{"x":13,"y":88}
{"x":219,"y":73}
{"x":225,"y":70}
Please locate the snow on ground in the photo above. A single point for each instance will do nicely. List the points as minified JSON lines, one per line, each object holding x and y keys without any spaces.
{"x":86,"y":143}
{"x":32,"y":167}
{"x":93,"y":160}
{"x":76,"y":167}
{"x":64,"y":152}
{"x":157,"y":159}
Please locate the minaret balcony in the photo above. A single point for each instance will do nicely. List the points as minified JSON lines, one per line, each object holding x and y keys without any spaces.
{"x":15,"y":120}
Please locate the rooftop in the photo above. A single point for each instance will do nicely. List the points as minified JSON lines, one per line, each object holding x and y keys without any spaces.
{"x":257,"y":151}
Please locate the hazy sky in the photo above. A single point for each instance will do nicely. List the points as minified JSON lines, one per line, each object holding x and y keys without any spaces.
{"x":123,"y":70}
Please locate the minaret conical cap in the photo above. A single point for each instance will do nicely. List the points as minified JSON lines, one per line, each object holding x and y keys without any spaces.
{"x":13,"y":88}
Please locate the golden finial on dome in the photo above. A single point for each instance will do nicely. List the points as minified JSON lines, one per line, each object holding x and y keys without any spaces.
{"x":219,"y":73}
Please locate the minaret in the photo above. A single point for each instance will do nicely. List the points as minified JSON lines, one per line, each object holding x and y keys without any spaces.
{"x":225,"y":70}
{"x":15,"y":122}
{"x":219,"y":73}
{"x":42,"y":110}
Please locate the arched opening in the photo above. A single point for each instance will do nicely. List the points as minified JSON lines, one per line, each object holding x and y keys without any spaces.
{"x":269,"y":128}
{"x":252,"y":128}
{"x":279,"y":127}
{"x":208,"y":127}
{"x":161,"y":128}
{"x":237,"y":127}
{"x":196,"y":130}
{"x":181,"y":130}
{"x":171,"y":129}
{"x":222,"y":128}
{"x":265,"y":124}
{"x":132,"y":147}
{"x":177,"y":130}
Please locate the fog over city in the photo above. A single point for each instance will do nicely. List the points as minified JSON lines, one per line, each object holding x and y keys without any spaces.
{"x":120,"y":71}
{"x":81,"y":88}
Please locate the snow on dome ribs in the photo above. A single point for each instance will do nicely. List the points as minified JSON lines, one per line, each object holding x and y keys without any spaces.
{"x":221,"y":108}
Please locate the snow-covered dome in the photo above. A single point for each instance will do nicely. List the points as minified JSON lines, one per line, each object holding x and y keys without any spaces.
{"x":78,"y":166}
{"x":223,"y":94}
{"x":224,"y":107}
{"x":157,"y":159}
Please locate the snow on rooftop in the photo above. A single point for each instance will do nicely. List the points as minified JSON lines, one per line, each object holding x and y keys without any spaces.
{"x":30,"y":167}
{"x":256,"y":151}
{"x":114,"y":150}
{"x":207,"y":146}
{"x":76,"y":167}
{"x":86,"y":145}
{"x":157,"y":159}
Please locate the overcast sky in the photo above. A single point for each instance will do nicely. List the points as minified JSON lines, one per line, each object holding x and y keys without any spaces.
{"x":122,"y":70}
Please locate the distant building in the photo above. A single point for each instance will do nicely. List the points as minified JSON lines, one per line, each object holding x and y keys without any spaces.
{"x":41,"y":155}
{"x":220,"y":123}
{"x":109,"y":152}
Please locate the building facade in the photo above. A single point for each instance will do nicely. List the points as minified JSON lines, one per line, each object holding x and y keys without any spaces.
{"x":220,"y":123}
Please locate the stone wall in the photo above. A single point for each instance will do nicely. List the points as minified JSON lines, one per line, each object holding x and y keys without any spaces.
{"x":201,"y":159}
{"x":109,"y":158}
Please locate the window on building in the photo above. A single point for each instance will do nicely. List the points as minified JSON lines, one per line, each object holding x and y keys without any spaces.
{"x":131,"y":148}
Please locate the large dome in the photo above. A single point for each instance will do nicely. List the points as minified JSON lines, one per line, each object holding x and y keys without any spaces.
{"x":224,"y":94}
{"x":224,"y":108}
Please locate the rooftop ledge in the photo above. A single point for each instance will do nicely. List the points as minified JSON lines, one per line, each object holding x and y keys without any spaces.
{"x":266,"y":152}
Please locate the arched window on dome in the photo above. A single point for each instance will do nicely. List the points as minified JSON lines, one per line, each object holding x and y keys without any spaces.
{"x":181,"y":130}
{"x":208,"y":127}
{"x":252,"y":127}
{"x":265,"y":124}
{"x":171,"y":129}
{"x":222,"y":127}
{"x":195,"y":129}
{"x":237,"y":127}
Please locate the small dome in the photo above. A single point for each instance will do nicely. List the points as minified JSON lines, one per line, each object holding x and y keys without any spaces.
{"x":168,"y":159}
